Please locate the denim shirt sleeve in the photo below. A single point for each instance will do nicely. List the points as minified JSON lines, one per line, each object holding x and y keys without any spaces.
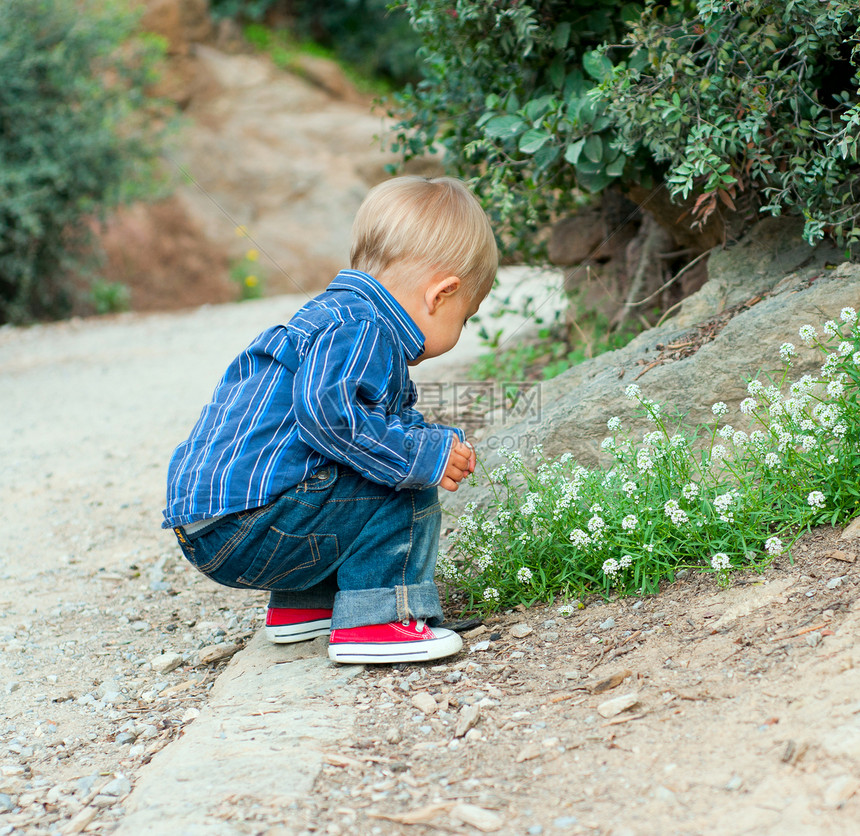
{"x":346,"y":394}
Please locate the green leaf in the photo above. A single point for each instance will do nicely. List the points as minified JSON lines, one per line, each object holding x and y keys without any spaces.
{"x":561,"y":35}
{"x":504,"y":127}
{"x":533,"y":140}
{"x":597,"y":65}
{"x":537,"y":108}
{"x":616,"y":167}
{"x":594,"y":148}
{"x":574,"y":150}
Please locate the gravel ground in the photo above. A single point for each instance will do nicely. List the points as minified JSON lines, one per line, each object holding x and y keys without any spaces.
{"x":741,"y":716}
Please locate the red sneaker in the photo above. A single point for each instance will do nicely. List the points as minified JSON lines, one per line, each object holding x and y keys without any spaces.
{"x":410,"y":641}
{"x":292,"y":625}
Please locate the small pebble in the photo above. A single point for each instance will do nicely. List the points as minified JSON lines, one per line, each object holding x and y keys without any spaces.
{"x":608,"y":624}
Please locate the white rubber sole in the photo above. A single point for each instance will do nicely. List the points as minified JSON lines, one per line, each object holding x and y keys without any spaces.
{"x":380,"y":653}
{"x":307,"y":630}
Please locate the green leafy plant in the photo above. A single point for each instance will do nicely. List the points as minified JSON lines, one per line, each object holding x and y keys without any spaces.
{"x":555,"y":349}
{"x":713,"y":498}
{"x":741,"y":106}
{"x":370,"y":38}
{"x":75,"y":139}
{"x":751,"y":104}
{"x":248,"y":275}
{"x":109,"y":297}
{"x":514,"y":109}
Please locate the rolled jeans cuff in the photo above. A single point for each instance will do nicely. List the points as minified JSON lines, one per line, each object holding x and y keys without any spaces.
{"x":316,"y":598}
{"x":360,"y":607}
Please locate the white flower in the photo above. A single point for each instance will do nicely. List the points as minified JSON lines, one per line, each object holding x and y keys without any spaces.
{"x":755,"y":387}
{"x":807,"y":334}
{"x":484,"y":560}
{"x":835,"y":388}
{"x":632,"y":392}
{"x":626,"y":561}
{"x":786,"y":352}
{"x":848,"y":315}
{"x":565,"y":610}
{"x":722,"y":503}
{"x":579,"y":538}
{"x":629,"y":488}
{"x":749,"y":405}
{"x":690,"y":491}
{"x":611,"y":567}
{"x":856,"y":358}
{"x":816,"y":499}
{"x":832,"y":460}
{"x":675,"y":512}
{"x":804,"y":386}
{"x":524,"y":575}
{"x":677,"y":441}
{"x":830,"y":328}
{"x":644,"y":461}
{"x":629,"y":522}
{"x":529,"y":506}
{"x":758,"y":438}
{"x":499,"y":474}
{"x":718,"y":453}
{"x":845,"y":348}
{"x":839,"y":429}
{"x":740,"y":438}
{"x":719,"y":408}
{"x":614,"y":424}
{"x":596,"y":526}
{"x":830,"y":365}
{"x":807,"y":442}
{"x":773,"y":545}
{"x":608,"y":444}
{"x":491,"y":594}
{"x":720,"y":562}
{"x":726,"y":431}
{"x":771,"y":460}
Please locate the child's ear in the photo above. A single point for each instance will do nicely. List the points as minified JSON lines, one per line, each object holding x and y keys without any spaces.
{"x":441,"y":289}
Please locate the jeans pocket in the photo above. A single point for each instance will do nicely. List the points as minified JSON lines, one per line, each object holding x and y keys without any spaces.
{"x":291,"y":561}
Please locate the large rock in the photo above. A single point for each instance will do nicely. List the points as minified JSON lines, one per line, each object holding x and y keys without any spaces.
{"x":571,"y":411}
{"x":277,"y":157}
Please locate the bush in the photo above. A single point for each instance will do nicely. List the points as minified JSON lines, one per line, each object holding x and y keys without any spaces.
{"x":372,"y":36}
{"x":712,"y":98}
{"x":755,"y":100}
{"x":514,"y":109}
{"x":71,"y":141}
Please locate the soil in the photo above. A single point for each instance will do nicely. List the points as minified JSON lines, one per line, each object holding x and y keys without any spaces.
{"x":743,"y":717}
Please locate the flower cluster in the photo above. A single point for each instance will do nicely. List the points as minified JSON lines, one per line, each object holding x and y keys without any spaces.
{"x":730,"y":495}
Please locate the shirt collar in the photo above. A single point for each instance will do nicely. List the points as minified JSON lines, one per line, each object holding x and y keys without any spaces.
{"x":366,"y":286}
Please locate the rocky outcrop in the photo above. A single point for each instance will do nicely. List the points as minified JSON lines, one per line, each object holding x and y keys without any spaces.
{"x":729,"y":331}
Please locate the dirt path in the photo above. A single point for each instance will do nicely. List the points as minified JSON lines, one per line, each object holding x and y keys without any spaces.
{"x":747,"y":717}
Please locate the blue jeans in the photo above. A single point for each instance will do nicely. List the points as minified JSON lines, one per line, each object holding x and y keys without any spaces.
{"x":335,"y":540}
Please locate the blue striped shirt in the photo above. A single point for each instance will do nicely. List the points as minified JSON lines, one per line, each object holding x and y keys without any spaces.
{"x":331,"y":386}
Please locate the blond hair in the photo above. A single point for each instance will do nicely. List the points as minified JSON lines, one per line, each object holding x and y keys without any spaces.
{"x":436,"y":224}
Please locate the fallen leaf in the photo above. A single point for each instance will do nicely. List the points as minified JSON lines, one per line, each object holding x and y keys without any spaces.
{"x":617,"y":704}
{"x":484,"y":820}
{"x":528,"y":753}
{"x":845,"y":557}
{"x":610,"y":682}
{"x":421,"y":815}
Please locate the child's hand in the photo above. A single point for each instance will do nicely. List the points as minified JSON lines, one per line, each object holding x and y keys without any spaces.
{"x":461,"y":462}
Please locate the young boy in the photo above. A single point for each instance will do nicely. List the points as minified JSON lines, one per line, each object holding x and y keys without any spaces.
{"x":310,"y":474}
